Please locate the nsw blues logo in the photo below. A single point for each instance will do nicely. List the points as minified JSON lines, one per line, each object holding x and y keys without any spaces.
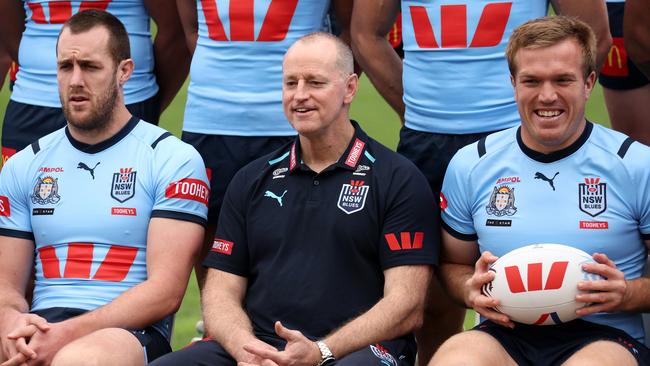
{"x":46,"y":191}
{"x":382,"y":354}
{"x":592,"y":195}
{"x":353,"y":197}
{"x":123,"y":185}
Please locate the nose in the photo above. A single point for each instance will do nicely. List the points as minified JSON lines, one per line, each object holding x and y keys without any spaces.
{"x":76,"y":77}
{"x":302,"y":92}
{"x":547,"y":93}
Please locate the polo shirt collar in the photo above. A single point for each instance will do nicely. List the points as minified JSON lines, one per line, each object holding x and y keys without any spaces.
{"x":101,"y":146}
{"x":350,"y":158}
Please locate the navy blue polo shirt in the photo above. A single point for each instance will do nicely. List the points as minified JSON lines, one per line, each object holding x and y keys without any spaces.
{"x":313,"y":247}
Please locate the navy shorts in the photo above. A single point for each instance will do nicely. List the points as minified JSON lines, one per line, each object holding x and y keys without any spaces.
{"x":399,"y":352}
{"x":548,"y":345}
{"x":26,"y":123}
{"x":618,"y":71}
{"x":154,"y":344}
{"x":431,"y":152}
{"x":225,"y":155}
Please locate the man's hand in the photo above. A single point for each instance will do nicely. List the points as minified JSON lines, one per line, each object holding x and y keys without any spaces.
{"x":44,"y":344}
{"x":299,"y":350}
{"x":248,"y":358}
{"x":475,"y":298}
{"x":605,"y":295}
{"x":14,"y":344}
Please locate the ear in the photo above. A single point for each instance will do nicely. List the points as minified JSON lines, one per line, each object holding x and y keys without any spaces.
{"x":513,"y":82}
{"x":124,"y":71}
{"x":351,"y":87}
{"x":589,"y":83}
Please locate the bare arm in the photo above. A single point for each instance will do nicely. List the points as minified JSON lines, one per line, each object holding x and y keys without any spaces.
{"x":637,"y":33}
{"x":343,"y":11}
{"x":12,"y":26}
{"x":187,"y":13}
{"x":594,"y":13}
{"x":371,"y":22}
{"x":171,"y":55}
{"x":5,"y":64}
{"x":225,"y":320}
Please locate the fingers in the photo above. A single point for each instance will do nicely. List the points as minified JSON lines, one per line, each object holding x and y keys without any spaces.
{"x":21,"y":346}
{"x":23,"y":332}
{"x":18,"y":359}
{"x":39,"y":322}
{"x":261,"y":351}
{"x":485,"y":260}
{"x":286,"y":333}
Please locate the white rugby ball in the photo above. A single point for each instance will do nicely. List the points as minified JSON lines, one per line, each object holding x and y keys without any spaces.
{"x":538,"y":284}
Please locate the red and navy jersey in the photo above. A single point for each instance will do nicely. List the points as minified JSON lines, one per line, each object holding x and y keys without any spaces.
{"x":313,"y":246}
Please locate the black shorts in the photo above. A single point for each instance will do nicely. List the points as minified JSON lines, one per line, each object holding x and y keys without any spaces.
{"x":537,"y":345}
{"x":26,"y":123}
{"x":154,"y":344}
{"x":431,"y":152}
{"x":225,"y":155}
{"x":618,"y":71}
{"x":399,"y":352}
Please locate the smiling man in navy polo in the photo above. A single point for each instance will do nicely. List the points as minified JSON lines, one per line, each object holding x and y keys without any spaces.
{"x":325,"y":248}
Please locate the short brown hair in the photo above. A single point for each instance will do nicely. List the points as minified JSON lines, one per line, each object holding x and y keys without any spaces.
{"x":344,"y":58}
{"x":118,"y":40}
{"x":551,"y":30}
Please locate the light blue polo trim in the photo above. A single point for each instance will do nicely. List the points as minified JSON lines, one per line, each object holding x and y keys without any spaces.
{"x":275,"y":161}
{"x":370,"y":157}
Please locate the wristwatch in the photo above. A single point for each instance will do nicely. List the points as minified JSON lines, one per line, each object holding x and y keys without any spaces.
{"x":326,"y":355}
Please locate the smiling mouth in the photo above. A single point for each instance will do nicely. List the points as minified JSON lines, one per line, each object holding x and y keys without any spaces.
{"x":548,"y":113}
{"x":303,"y":110}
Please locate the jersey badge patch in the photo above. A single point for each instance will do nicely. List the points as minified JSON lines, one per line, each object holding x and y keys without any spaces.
{"x":222,"y":246}
{"x":353,"y":196}
{"x":502,"y":201}
{"x":123,"y":185}
{"x":382,"y":354}
{"x":189,"y":189}
{"x":46,"y":191}
{"x":592,"y":196}
{"x":5,"y":208}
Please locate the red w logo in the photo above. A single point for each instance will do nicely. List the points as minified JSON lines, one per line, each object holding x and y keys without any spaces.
{"x":553,"y":282}
{"x":405,"y":238}
{"x":453,"y":25}
{"x":115,"y":266}
{"x":60,"y":11}
{"x":242,"y":20}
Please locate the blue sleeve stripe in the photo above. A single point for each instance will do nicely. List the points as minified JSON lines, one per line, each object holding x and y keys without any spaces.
{"x":370,"y":157}
{"x":457,"y":235}
{"x":17,"y":234}
{"x":162,"y":137}
{"x":624,"y":147}
{"x":275,"y":161}
{"x":179,"y":216}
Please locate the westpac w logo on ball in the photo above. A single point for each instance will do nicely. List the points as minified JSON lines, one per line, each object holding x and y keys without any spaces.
{"x":353,"y":196}
{"x":123,"y":185}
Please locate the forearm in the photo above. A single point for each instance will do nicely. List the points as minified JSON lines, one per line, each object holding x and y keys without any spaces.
{"x":227,"y":323}
{"x":396,"y":314}
{"x":172,"y":66}
{"x":12,"y":300}
{"x":637,"y":296}
{"x":454,"y":279}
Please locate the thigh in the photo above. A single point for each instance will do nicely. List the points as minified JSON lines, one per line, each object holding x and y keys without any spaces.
{"x":399,"y":352}
{"x":201,"y":353}
{"x":24,"y":123}
{"x":484,"y":350}
{"x":110,"y":346}
{"x":602,"y":353}
{"x":629,"y":110}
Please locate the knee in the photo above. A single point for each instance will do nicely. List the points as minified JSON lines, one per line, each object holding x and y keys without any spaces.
{"x":71,"y":355}
{"x":484,"y":351}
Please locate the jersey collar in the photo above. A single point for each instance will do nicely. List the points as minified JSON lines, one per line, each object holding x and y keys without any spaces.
{"x":101,"y":146}
{"x":350,"y":158}
{"x":556,"y":155}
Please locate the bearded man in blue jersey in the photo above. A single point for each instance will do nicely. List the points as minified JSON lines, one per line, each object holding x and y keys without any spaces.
{"x":551,"y":166}
{"x":108,"y":212}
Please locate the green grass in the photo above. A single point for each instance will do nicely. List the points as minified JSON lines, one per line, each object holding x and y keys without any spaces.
{"x":377,"y":119}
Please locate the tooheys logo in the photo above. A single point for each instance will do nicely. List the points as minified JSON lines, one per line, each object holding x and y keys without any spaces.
{"x":453,"y":26}
{"x":355,"y":153}
{"x":5,"y":209}
{"x":189,"y":189}
{"x":222,"y":246}
{"x":553,"y":281}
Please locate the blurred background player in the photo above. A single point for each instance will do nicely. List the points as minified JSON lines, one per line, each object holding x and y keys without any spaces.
{"x":452,"y":87}
{"x":29,"y":30}
{"x":552,"y":64}
{"x":626,"y":88}
{"x":637,"y":33}
{"x":108,"y":213}
{"x":234,"y":106}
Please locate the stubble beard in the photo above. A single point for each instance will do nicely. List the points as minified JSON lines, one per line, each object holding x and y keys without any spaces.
{"x":100,"y":117}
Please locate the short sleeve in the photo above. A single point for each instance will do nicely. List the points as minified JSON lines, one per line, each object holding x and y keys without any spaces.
{"x":15,"y":216}
{"x":410,"y":233}
{"x":456,"y":195}
{"x":229,"y":250}
{"x":182,"y":190}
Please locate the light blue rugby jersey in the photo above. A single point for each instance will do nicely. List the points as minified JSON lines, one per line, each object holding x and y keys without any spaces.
{"x":236,"y":74}
{"x":599,"y":200}
{"x":90,"y":225}
{"x":456,"y":78}
{"x":36,"y":79}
